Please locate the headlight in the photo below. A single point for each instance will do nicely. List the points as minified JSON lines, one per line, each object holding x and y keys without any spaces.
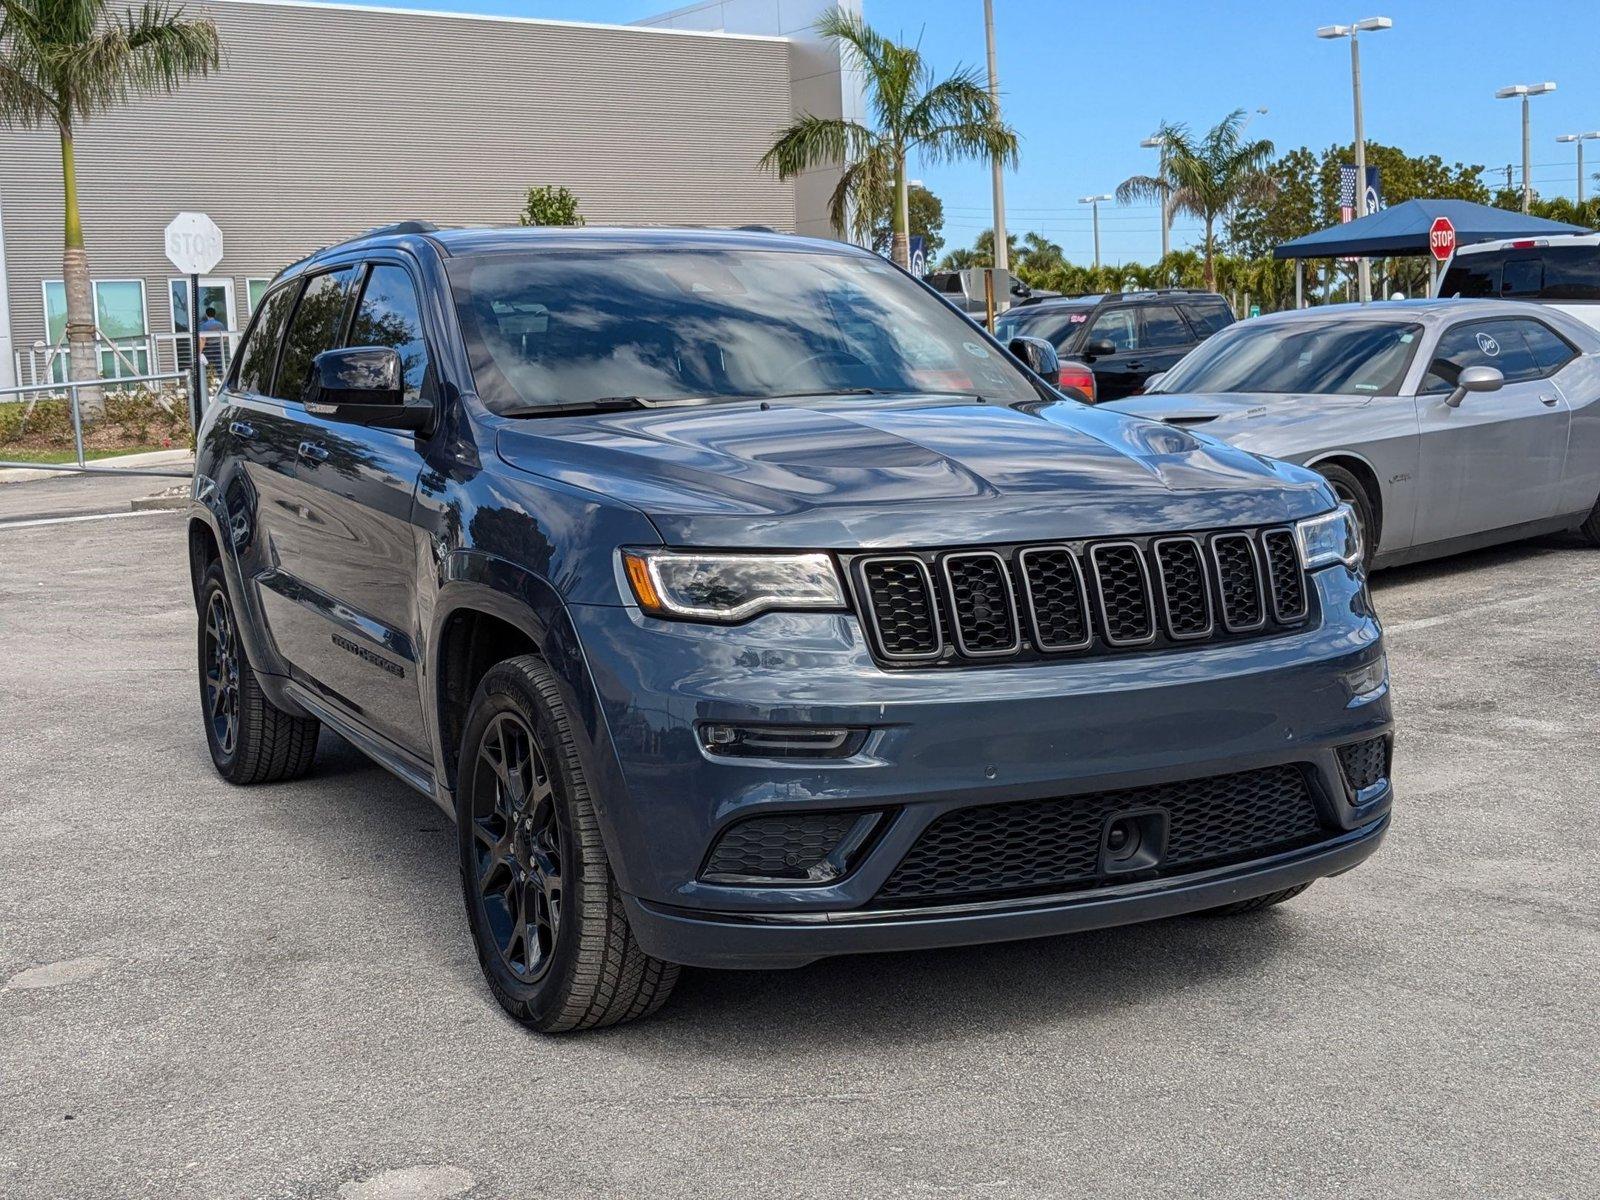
{"x":729,"y":587}
{"x":1330,"y":538}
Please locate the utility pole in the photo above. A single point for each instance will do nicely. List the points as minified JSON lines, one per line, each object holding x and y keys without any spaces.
{"x":1524,"y":91}
{"x":1002,"y":251}
{"x":1353,"y":32}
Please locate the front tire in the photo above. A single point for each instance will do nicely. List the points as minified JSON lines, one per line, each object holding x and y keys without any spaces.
{"x":552,"y":936}
{"x":1353,"y":492}
{"x":250,"y":738}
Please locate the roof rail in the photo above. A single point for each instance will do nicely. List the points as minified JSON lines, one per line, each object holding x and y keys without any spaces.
{"x":400,"y":227}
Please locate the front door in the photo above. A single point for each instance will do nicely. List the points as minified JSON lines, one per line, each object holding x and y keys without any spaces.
{"x":216,"y":295}
{"x":1118,"y":372}
{"x":1496,"y":459}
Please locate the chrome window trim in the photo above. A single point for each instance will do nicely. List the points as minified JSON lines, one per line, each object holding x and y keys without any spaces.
{"x":1033,"y":612}
{"x":1205,"y":588}
{"x":872,"y":609}
{"x":1100,"y":595}
{"x":1278,"y":614}
{"x":1222,"y":591}
{"x":955,"y":611}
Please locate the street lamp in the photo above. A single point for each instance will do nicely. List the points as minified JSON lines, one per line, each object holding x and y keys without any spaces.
{"x":1157,"y":141}
{"x":1353,"y":32}
{"x":1094,"y":202}
{"x":1580,"y":139}
{"x":1524,"y":90}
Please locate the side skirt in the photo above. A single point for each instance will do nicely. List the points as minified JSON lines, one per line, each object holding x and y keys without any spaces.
{"x":405,"y":767}
{"x":1477,"y":541}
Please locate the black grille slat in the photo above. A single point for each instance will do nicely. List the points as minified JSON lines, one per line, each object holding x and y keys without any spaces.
{"x":1239,"y":581}
{"x":998,"y":849}
{"x":1123,"y":584}
{"x":1365,"y":763}
{"x":1284,"y":574}
{"x":1053,"y":583}
{"x":970,"y":605}
{"x":902,"y":605}
{"x":1185,"y":598}
{"x":984,"y":609}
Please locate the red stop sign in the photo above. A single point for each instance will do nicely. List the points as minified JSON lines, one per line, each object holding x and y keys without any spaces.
{"x":1442,"y":238}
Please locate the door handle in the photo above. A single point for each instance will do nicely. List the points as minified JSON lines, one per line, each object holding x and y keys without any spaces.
{"x":315,"y":451}
{"x":241,"y":429}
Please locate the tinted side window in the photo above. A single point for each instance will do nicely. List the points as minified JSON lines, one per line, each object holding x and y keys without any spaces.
{"x":387,"y":316}
{"x":314,"y":328}
{"x":1207,"y":318}
{"x":1164,"y":328}
{"x":1549,"y":349}
{"x":1497,"y":344}
{"x":1119,"y":326}
{"x":260,"y":349}
{"x":1572,"y":273}
{"x":1474,"y":276}
{"x":1522,"y":277}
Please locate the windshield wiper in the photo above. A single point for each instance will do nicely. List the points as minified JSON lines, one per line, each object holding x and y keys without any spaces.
{"x":604,"y":404}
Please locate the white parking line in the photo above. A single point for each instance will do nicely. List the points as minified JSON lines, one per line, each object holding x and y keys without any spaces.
{"x":1474,"y":610}
{"x":144,"y":512}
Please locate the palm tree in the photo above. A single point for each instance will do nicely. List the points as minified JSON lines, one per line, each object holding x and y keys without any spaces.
{"x":65,"y":61}
{"x":951,"y":119}
{"x":1207,"y":178}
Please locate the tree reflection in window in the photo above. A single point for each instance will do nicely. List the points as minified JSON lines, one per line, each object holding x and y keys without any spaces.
{"x":388,"y":317}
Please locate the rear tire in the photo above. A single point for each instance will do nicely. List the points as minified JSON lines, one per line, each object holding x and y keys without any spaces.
{"x":1256,"y":903}
{"x":551,"y":932}
{"x":250,"y":738}
{"x":1353,"y":492}
{"x":1591,"y":525}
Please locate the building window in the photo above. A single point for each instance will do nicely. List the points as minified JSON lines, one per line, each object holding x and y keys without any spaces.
{"x":216,"y":293}
{"x":255,"y":287}
{"x":120,"y":316}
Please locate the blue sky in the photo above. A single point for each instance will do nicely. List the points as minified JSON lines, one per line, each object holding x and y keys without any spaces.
{"x":1084,"y":82}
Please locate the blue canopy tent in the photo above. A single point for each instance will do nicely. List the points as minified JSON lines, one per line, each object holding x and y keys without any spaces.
{"x":1403,"y":230}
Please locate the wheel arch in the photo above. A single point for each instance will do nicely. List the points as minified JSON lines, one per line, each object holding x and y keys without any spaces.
{"x":1366,"y":474}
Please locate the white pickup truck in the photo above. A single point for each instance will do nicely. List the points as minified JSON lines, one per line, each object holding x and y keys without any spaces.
{"x":1562,"y":270}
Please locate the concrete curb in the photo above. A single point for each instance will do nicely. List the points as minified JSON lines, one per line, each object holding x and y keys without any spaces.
{"x":146,"y":460}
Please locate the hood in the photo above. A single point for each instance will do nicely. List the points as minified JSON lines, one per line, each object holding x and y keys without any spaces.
{"x":1224,"y":413}
{"x":901,"y":472}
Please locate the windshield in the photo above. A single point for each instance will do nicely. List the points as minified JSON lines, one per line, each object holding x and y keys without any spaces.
{"x":1058,"y":324}
{"x":570,"y":327}
{"x":1333,"y":357}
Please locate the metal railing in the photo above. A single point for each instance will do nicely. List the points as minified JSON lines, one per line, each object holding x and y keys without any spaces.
{"x":126,"y":358}
{"x":73,"y":393}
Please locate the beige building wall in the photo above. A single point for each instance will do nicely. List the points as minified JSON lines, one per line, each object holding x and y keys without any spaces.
{"x":328,"y":120}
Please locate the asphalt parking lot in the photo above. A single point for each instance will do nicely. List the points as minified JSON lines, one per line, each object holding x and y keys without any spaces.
{"x":217,"y":992}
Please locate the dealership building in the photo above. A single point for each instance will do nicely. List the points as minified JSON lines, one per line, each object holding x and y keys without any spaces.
{"x":328,"y":119}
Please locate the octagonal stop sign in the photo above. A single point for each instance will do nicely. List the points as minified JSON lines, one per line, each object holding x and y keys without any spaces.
{"x":194,"y":243}
{"x":1442,"y":238}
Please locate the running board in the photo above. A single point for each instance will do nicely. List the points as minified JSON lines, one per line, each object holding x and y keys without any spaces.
{"x":392,"y":759}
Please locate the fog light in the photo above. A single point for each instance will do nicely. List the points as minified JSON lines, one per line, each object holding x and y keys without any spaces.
{"x":781,"y":741}
{"x":1364,"y":681}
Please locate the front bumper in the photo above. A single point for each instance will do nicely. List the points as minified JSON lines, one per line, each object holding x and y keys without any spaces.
{"x":942,"y":740}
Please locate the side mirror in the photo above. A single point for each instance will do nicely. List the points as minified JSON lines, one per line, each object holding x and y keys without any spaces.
{"x":1040,"y":356}
{"x":364,"y":385}
{"x":1475,"y":379}
{"x":1099,"y":348}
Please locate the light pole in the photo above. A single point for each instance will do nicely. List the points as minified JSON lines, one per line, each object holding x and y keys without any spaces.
{"x":1094,"y":203}
{"x":1158,"y":141}
{"x":1353,"y":32}
{"x":1002,"y":251}
{"x":1524,"y":90}
{"x":1580,"y":139}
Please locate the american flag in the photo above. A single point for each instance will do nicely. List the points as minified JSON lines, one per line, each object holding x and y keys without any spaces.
{"x":1347,"y":192}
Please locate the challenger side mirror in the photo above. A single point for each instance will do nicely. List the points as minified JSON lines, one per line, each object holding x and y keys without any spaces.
{"x":1040,"y":356}
{"x":1099,"y":348}
{"x":364,"y":385}
{"x":1475,"y":379}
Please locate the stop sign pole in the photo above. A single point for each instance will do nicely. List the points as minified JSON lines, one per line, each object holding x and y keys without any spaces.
{"x":1441,"y":244}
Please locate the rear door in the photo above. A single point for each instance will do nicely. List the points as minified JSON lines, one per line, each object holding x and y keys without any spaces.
{"x":350,"y":592}
{"x":1495,"y":460}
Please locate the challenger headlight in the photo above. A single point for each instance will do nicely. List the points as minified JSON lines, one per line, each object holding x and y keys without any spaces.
{"x":1330,"y":538}
{"x":729,"y":587}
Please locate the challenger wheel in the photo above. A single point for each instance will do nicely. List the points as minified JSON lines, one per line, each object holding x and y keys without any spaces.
{"x":1591,"y":525}
{"x":552,"y":937}
{"x":251,"y":739}
{"x":1353,"y":492}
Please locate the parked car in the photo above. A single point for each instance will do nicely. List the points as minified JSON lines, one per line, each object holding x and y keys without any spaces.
{"x":1125,"y":337}
{"x":1561,"y":270}
{"x":746,"y":606}
{"x":1444,"y":424}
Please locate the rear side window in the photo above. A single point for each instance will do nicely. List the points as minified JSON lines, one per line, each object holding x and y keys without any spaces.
{"x":260,"y":348}
{"x":315,"y":327}
{"x":1572,"y":273}
{"x":1473,"y":277}
{"x":1550,"y":349}
{"x":1499,"y":344}
{"x":1164,"y":329}
{"x":387,"y":316}
{"x":1207,"y":318}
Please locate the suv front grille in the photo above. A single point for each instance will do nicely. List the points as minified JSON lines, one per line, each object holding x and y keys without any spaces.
{"x":960,"y":607}
{"x":1052,"y":845}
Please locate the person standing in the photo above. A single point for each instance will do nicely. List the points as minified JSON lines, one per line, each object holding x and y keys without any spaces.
{"x":211,"y":331}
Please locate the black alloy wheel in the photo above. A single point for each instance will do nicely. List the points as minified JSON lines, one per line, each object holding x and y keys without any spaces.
{"x":518,"y":847}
{"x":221,"y":677}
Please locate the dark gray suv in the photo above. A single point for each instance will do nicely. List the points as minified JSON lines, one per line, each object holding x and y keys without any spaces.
{"x":745,"y":605}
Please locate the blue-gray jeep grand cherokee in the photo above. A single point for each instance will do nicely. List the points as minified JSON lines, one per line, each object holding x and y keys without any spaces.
{"x":747,"y":605}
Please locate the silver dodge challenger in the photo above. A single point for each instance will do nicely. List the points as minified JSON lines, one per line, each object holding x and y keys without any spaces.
{"x":1445,"y":424}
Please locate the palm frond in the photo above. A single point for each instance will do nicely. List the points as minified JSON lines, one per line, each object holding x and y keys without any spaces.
{"x":817,"y":142}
